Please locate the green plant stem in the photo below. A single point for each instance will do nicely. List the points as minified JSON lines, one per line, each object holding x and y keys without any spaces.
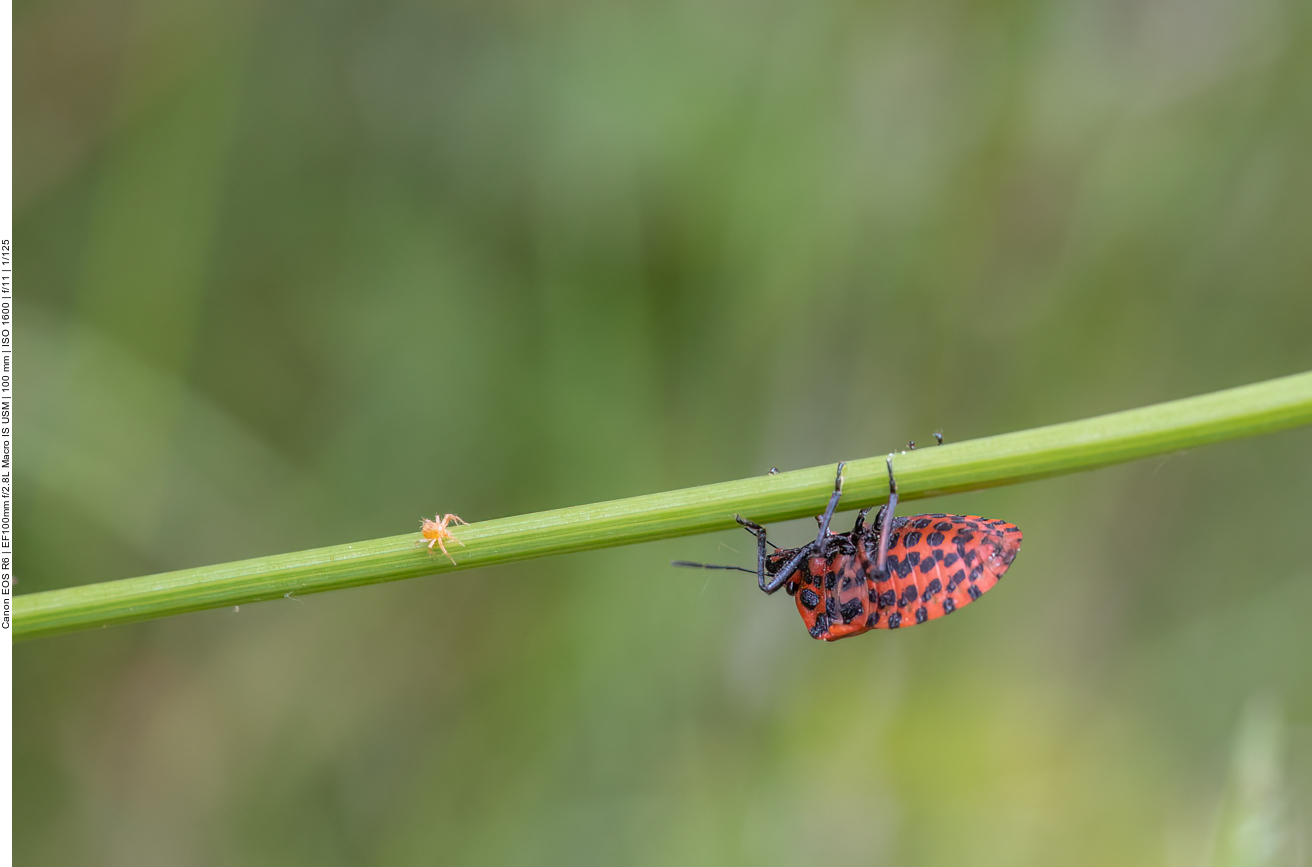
{"x":1000,"y":460}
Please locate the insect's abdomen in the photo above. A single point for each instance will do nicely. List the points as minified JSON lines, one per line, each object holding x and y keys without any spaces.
{"x":936,"y":564}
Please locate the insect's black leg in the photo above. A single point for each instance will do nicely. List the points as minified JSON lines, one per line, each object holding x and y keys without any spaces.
{"x":833,"y":504}
{"x":861,"y":520}
{"x":786,"y":572}
{"x":886,"y":525}
{"x":759,"y":532}
{"x":771,"y":583}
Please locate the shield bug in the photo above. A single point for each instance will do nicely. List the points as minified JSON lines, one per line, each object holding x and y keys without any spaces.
{"x":892,"y":573}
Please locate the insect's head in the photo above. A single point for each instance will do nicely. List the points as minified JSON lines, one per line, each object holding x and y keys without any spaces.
{"x":775,"y":561}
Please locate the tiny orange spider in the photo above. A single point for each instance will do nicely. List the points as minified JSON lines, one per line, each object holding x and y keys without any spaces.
{"x":437,"y":533}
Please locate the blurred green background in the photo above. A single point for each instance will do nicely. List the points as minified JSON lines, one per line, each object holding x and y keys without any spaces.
{"x":296,"y":274}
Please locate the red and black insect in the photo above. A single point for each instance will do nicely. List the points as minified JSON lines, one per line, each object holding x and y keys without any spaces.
{"x":896,"y":572}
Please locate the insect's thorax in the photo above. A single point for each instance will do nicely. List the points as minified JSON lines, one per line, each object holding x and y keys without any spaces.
{"x":840,"y":554}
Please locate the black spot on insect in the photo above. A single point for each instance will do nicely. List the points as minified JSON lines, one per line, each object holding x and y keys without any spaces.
{"x":831,"y":608}
{"x":912,"y":558}
{"x":973,"y":591}
{"x":921,"y":614}
{"x":921,"y":523}
{"x":831,"y":581}
{"x":847,"y":583}
{"x":872,"y":620}
{"x":975,"y":573}
{"x":810,"y":599}
{"x":904,"y":568}
{"x":928,"y":566}
{"x":936,"y":515}
{"x":892,"y":539}
{"x":887,"y":599}
{"x":942,"y":526}
{"x":968,"y":557}
{"x":821,"y":626}
{"x":935,"y":538}
{"x":972,"y":525}
{"x":909,"y":594}
{"x":949,"y":606}
{"x":894,"y":620}
{"x":872,"y":595}
{"x":950,"y":559}
{"x":851,"y":610}
{"x":912,"y":539}
{"x":930,"y":589}
{"x":965,"y":537}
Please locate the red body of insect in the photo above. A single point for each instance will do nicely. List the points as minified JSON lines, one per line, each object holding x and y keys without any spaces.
{"x":936,"y":564}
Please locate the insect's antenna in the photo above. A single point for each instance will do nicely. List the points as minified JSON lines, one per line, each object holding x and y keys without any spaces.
{"x":709,"y":566}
